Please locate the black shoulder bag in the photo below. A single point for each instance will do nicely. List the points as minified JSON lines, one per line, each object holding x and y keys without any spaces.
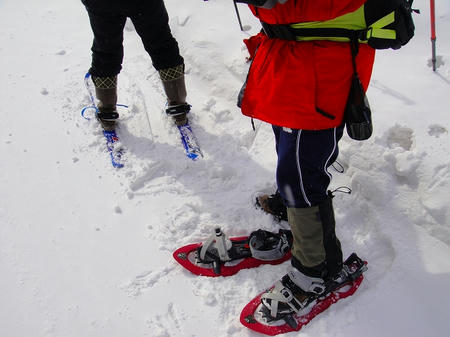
{"x":357,"y":114}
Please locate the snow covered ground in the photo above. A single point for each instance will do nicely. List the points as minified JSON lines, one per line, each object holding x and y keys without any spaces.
{"x":86,"y":250}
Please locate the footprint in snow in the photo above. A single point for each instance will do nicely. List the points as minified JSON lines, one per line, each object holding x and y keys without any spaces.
{"x":164,"y":325}
{"x":146,"y":281}
{"x":400,"y":136}
{"x":436,"y":130}
{"x":435,"y":198}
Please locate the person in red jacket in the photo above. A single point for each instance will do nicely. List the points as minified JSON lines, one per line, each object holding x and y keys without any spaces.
{"x":301,"y":88}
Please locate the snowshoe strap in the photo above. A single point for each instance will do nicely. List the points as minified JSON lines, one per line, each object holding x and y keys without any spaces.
{"x":295,"y":291}
{"x":280,"y":294}
{"x":219,"y":243}
{"x":352,"y":268}
{"x":268,"y":246}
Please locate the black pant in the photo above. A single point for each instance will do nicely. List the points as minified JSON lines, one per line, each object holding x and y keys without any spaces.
{"x":303,"y":159}
{"x":151,"y":21}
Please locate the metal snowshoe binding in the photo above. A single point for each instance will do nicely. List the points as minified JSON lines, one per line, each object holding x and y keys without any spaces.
{"x":296,"y":293}
{"x":261,"y":245}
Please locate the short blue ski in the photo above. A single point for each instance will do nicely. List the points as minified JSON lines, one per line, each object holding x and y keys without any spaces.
{"x":189,"y":142}
{"x":114,"y":151}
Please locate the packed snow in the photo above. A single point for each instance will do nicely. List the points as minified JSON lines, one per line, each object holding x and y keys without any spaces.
{"x":86,"y":249}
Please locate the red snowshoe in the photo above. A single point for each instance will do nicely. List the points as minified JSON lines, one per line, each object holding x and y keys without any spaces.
{"x":223,"y":256}
{"x":259,"y":317}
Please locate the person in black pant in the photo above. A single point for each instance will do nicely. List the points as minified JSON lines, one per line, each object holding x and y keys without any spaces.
{"x":151,"y":21}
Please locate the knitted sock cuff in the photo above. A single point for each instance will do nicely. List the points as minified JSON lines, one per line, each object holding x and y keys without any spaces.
{"x":105,"y":82}
{"x":173,"y":73}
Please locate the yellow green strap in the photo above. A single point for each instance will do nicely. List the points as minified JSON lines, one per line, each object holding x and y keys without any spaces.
{"x":377,"y":28}
{"x":351,"y":21}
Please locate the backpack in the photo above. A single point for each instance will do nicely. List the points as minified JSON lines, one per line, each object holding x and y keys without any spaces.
{"x":389,"y":16}
{"x":380,"y":23}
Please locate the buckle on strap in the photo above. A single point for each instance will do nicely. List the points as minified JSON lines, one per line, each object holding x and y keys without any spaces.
{"x":283,"y":32}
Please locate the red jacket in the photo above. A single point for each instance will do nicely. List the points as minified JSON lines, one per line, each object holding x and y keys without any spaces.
{"x":289,"y":80}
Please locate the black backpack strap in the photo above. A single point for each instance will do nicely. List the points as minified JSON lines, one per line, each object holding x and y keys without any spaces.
{"x":354,"y":46}
{"x":288,"y":32}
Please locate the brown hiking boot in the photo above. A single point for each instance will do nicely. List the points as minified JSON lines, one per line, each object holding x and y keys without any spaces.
{"x":106,"y":94}
{"x":175,"y":89}
{"x":273,"y":204}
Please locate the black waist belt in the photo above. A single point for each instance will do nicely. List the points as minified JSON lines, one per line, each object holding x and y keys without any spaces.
{"x":286,"y":32}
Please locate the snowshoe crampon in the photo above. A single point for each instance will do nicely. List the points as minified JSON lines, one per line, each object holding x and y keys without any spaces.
{"x":257,"y":317}
{"x":223,"y":256}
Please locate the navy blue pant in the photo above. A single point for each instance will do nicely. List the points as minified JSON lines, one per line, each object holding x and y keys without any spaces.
{"x":150,"y":19}
{"x":303,"y":159}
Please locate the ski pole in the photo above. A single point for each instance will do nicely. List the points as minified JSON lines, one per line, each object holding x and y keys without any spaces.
{"x":433,"y":34}
{"x":238,"y":16}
